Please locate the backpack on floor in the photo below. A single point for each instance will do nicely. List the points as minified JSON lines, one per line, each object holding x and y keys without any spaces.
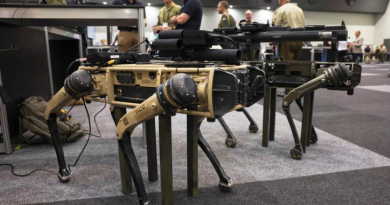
{"x":32,"y":113}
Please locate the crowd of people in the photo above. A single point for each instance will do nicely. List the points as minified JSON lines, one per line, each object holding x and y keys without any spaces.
{"x":189,"y":17}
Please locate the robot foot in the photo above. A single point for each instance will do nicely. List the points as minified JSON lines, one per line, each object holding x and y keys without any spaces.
{"x":230,"y":142}
{"x":226,"y":187}
{"x":296,"y":153}
{"x":313,"y":139}
{"x":253,"y":128}
{"x":64,"y":176}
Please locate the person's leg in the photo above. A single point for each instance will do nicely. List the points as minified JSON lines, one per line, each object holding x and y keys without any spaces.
{"x":297,"y":50}
{"x":285,"y":51}
{"x":135,"y":40}
{"x":124,"y":41}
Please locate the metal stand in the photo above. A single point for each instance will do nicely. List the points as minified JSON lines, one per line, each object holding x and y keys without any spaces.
{"x":141,"y":28}
{"x":308,"y":133}
{"x":165,"y":129}
{"x":272,"y":115}
{"x":5,"y":147}
{"x":127,"y":188}
{"x":266,"y":116}
{"x":150,"y":131}
{"x":192,"y":154}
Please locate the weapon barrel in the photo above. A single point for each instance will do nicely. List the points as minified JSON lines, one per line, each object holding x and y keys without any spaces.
{"x":171,"y":34}
{"x":227,"y":55}
{"x":290,"y":36}
{"x":168,"y":44}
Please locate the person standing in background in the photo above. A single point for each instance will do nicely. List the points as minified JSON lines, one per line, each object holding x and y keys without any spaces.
{"x":248,"y":17}
{"x":190,"y":17}
{"x":249,"y":51}
{"x":289,"y":15}
{"x":166,"y":13}
{"x":367,"y":54}
{"x":226,"y":20}
{"x":383,"y":53}
{"x":153,"y":36}
{"x":128,"y":36}
{"x":357,"y":46}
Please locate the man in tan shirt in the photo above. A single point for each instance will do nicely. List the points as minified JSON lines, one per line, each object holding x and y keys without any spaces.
{"x":289,"y":15}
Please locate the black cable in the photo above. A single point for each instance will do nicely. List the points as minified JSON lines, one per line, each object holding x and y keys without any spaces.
{"x":13,"y":15}
{"x":97,"y":126}
{"x":94,"y":119}
{"x":67,"y":70}
{"x":25,"y":175}
{"x":214,"y":35}
{"x":89,"y":136}
{"x":231,"y":40}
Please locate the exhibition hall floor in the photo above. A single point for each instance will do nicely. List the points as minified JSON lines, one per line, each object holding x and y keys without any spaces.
{"x":350,"y":164}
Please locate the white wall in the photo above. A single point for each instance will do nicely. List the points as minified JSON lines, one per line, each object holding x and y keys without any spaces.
{"x":382,"y":22}
{"x":363,"y":22}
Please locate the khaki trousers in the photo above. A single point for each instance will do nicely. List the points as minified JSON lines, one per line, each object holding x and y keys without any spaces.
{"x":290,"y":51}
{"x":127,"y":40}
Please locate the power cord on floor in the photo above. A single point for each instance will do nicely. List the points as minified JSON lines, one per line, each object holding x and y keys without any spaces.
{"x":89,"y":137}
{"x":69,"y":165}
{"x":28,"y":174}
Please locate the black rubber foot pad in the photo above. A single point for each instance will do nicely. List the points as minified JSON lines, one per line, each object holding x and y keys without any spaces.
{"x":230,"y":143}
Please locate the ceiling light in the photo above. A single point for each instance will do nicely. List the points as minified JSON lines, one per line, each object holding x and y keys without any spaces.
{"x":268,"y":8}
{"x":149,"y":4}
{"x":231,"y":6}
{"x":104,"y":2}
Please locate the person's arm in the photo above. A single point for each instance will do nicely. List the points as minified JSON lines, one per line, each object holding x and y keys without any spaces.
{"x":177,"y":10}
{"x":182,"y":18}
{"x":189,"y":10}
{"x":278,"y":19}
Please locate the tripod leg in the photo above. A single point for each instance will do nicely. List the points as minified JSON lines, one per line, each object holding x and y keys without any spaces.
{"x":127,"y":188}
{"x":313,"y":137}
{"x":296,"y":152}
{"x":230,"y":139}
{"x":132,"y":164}
{"x":225,"y":182}
{"x":63,"y":173}
{"x":253,"y":128}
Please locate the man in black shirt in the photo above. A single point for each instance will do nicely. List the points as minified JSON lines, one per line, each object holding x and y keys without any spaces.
{"x":190,"y":16}
{"x":128,"y":36}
